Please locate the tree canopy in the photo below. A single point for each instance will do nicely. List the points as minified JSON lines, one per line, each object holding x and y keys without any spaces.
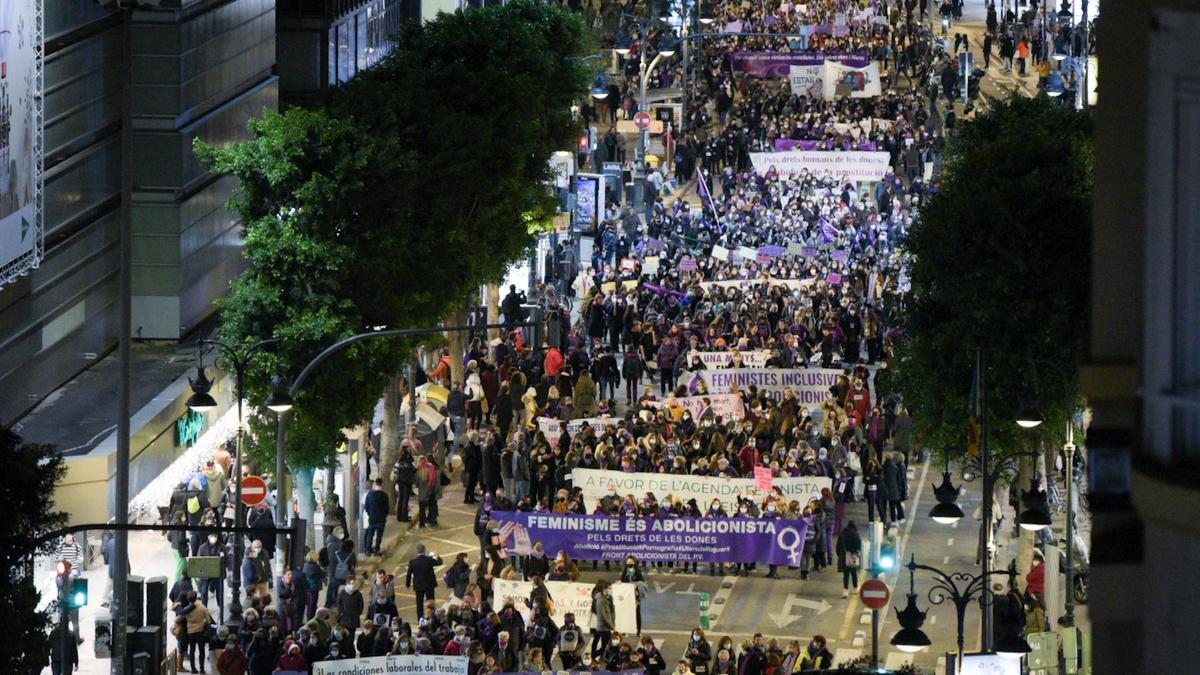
{"x":31,"y":471}
{"x":306,"y":178}
{"x":410,"y":186}
{"x":1001,"y":263}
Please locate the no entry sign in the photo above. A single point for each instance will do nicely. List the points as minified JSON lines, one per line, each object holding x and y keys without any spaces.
{"x":642,"y":120}
{"x":254,"y":490}
{"x":874,"y":594}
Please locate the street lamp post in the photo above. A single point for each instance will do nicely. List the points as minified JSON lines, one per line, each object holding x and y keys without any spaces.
{"x":239,"y":358}
{"x":960,"y":588}
{"x":1069,"y":604}
{"x":990,"y":471}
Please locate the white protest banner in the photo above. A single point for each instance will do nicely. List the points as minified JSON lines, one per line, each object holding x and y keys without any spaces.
{"x":747,"y":253}
{"x":409,"y":664}
{"x":852,"y":164}
{"x":650,"y":265}
{"x":806,"y":80}
{"x":595,"y":484}
{"x":842,"y":80}
{"x":566,"y":597}
{"x":553,"y":428}
{"x":726,"y":406}
{"x":811,"y":385}
{"x":720,"y":252}
{"x":624,"y":597}
{"x":755,"y":358}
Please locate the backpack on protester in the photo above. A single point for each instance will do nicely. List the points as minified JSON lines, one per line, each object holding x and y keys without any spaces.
{"x":341,"y":571}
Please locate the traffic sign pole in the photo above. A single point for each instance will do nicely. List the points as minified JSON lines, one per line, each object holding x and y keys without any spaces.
{"x":874,"y":594}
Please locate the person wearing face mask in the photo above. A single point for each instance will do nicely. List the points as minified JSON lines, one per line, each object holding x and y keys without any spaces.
{"x":505,"y":653}
{"x":615,"y":653}
{"x":570,"y":643}
{"x":724,"y":664}
{"x":632,"y":574}
{"x":256,"y":572}
{"x":211,"y":547}
{"x":698,"y":653}
{"x":404,"y":645}
{"x":604,"y":614}
{"x":314,"y":581}
{"x":816,"y":655}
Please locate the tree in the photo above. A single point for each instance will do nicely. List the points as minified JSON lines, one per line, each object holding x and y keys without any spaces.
{"x":1001,"y":263}
{"x":305,"y":179}
{"x":409,"y":188}
{"x":478,"y":100}
{"x":31,"y":472}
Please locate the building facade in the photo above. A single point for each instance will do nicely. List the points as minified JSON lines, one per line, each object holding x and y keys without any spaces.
{"x":1142,"y":378}
{"x":201,"y":69}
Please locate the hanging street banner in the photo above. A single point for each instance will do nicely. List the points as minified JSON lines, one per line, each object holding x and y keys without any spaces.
{"x":596,"y":483}
{"x":407,"y":664}
{"x":773,"y":541}
{"x":778,"y":64}
{"x":811,"y":385}
{"x":21,"y":235}
{"x":566,"y":597}
{"x":860,"y":165}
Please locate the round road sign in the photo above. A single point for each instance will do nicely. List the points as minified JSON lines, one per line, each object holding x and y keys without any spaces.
{"x":874,"y":594}
{"x":642,"y":120}
{"x":254,"y":490}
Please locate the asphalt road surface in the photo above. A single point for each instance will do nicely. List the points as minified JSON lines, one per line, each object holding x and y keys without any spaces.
{"x":787,"y":608}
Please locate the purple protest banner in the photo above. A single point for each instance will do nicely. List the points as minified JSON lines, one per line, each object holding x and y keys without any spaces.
{"x":834,"y":279}
{"x":771,"y":250}
{"x":786,"y":144}
{"x":773,"y":541}
{"x":840,"y":255}
{"x":810,"y":251}
{"x":777,"y":64}
{"x":688,"y":265}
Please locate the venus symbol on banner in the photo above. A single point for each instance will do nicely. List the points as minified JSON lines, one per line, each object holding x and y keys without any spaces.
{"x":794,"y":547}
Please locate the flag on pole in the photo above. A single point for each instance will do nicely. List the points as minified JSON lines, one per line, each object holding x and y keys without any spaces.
{"x":974,"y":414}
{"x":705,"y":196}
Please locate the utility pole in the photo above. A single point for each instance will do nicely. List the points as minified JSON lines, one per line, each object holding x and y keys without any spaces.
{"x":120,"y":559}
{"x":985,"y":458}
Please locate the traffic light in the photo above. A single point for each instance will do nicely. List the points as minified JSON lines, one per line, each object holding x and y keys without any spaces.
{"x":887,"y":558}
{"x":77,"y":595}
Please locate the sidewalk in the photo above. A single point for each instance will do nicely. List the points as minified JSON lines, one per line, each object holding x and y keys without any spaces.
{"x":150,"y":556}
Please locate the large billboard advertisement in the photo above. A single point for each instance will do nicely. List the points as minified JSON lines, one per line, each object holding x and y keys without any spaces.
{"x":20,"y":137}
